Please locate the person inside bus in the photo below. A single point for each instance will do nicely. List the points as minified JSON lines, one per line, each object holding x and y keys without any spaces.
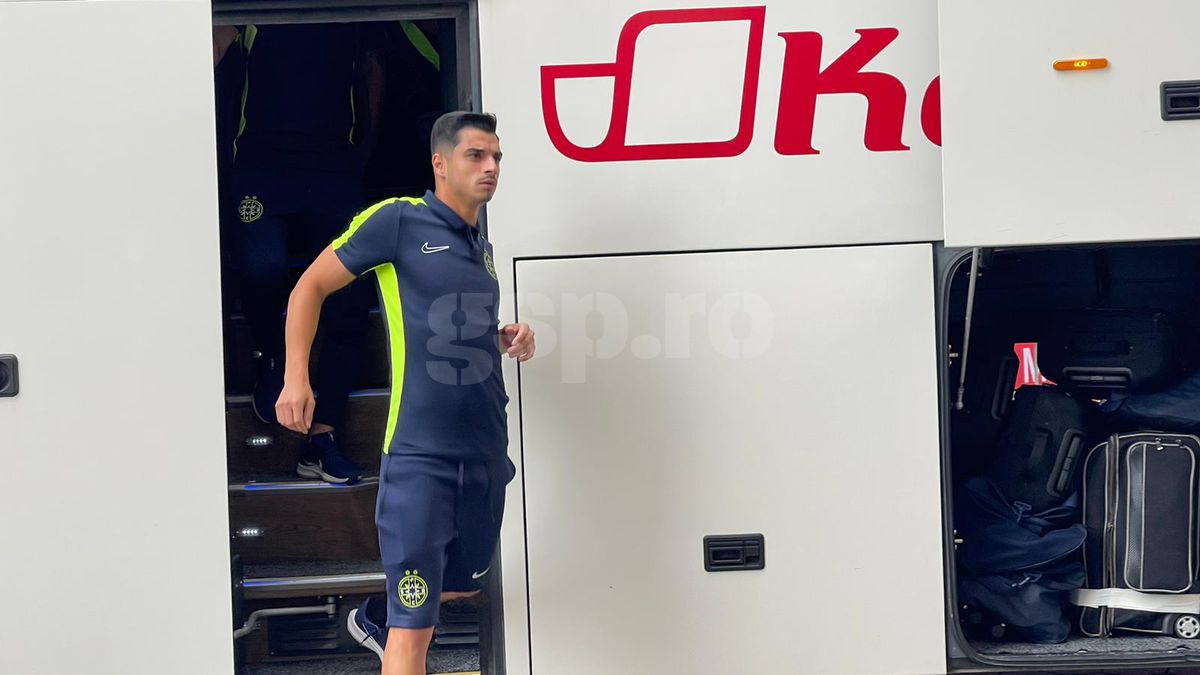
{"x":310,"y":108}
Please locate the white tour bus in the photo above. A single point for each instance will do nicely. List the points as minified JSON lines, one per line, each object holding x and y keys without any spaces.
{"x":752,"y":268}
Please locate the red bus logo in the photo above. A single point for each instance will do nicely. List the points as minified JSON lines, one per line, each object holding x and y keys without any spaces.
{"x":803,"y":82}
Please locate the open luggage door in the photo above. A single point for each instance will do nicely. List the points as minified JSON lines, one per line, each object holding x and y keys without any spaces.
{"x":1068,"y":122}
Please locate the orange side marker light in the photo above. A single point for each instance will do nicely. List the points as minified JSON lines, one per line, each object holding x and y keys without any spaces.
{"x":1081,"y":64}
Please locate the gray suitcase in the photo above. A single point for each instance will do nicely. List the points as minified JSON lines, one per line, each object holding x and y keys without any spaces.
{"x":1140,"y":504}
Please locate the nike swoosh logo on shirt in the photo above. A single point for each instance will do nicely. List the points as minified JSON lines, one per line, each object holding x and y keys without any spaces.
{"x":479,"y":575}
{"x":426,"y":248}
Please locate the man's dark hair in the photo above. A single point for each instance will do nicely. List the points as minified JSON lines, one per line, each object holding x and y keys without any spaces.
{"x":446,"y":128}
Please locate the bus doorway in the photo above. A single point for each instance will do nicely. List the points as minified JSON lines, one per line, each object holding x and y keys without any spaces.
{"x":321,"y":112}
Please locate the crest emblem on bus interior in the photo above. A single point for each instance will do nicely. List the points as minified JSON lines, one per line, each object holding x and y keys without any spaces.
{"x":250,"y":209}
{"x":614,"y":147}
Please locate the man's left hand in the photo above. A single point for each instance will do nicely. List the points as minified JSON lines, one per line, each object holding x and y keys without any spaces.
{"x":518,"y":342}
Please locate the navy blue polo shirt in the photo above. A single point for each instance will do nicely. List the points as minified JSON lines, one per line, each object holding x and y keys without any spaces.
{"x":438,"y":287}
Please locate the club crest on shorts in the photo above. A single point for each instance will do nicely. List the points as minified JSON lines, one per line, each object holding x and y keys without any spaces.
{"x":487,"y":263}
{"x":413,"y":590}
{"x":250,"y":209}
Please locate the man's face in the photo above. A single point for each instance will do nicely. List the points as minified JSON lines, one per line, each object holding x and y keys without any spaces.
{"x":472,"y":168}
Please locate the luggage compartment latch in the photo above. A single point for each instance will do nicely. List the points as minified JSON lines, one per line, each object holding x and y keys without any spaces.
{"x":9,"y":383}
{"x":1180,"y":100}
{"x":735,"y":553}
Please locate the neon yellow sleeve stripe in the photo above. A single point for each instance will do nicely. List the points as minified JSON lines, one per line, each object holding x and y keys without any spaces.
{"x":358,"y":221}
{"x":422,"y":43}
{"x":389,"y":291}
{"x":370,"y":211}
{"x":393,"y":312}
{"x":247,"y":39}
{"x":251,"y":33}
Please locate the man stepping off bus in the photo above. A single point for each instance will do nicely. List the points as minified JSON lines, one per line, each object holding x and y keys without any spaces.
{"x":445,"y":464}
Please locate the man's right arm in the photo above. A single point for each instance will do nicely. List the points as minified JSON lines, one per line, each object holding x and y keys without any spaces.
{"x":369,"y":241}
{"x":324,"y":277}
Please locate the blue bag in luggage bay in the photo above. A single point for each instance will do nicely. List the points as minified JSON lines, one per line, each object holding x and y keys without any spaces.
{"x":1175,"y":409}
{"x":1018,"y":566}
{"x":1019,"y":524}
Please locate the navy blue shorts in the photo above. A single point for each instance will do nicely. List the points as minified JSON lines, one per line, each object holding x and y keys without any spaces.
{"x":439,"y":523}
